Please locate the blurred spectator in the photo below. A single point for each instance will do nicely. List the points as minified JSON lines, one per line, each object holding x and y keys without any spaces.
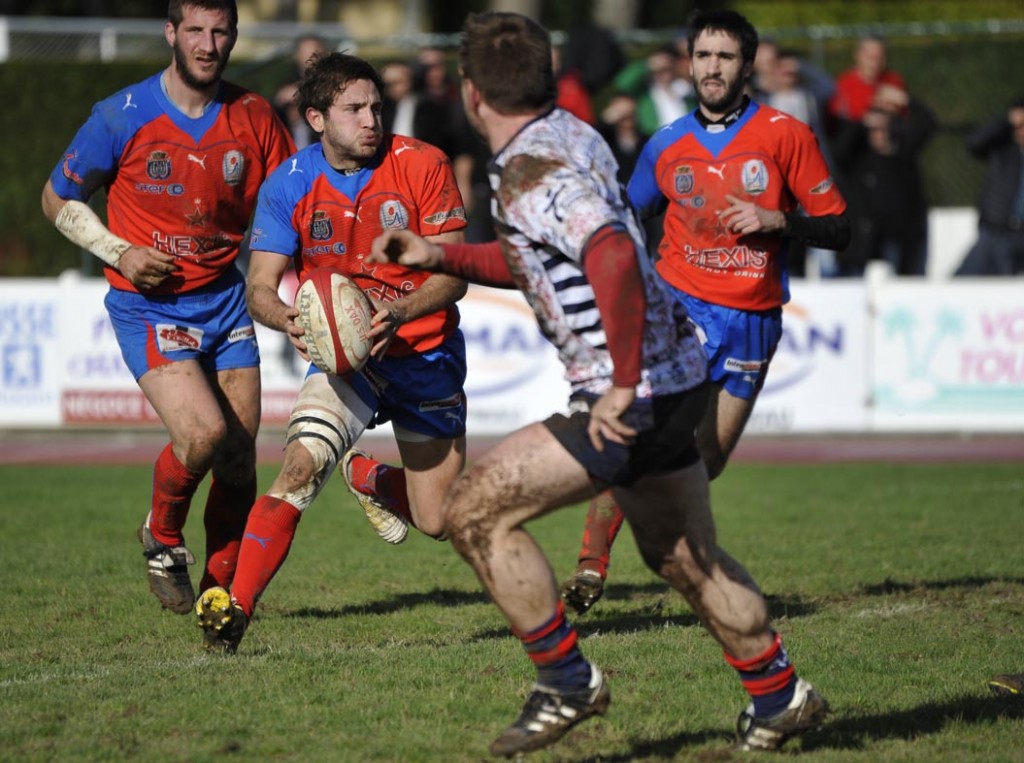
{"x":879,"y":157}
{"x":572,"y":94}
{"x":787,"y":82}
{"x":999,"y":249}
{"x":790,"y":95}
{"x":617,"y":125}
{"x":662,"y":91}
{"x":407,"y":111}
{"x":778,"y":82}
{"x":766,"y":65}
{"x":434,"y":83}
{"x":593,"y":52}
{"x":306,"y":47}
{"x":855,"y":88}
{"x":433,"y":78}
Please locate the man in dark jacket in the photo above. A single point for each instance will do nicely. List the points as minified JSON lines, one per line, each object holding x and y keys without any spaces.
{"x":999,"y":249}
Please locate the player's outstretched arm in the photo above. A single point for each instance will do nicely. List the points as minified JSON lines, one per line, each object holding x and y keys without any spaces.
{"x":477,"y":263}
{"x":406,"y":248}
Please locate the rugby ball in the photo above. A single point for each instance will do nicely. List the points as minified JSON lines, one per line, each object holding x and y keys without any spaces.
{"x":336,"y":317}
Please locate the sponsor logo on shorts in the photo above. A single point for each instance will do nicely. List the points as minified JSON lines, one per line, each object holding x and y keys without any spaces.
{"x":744,"y":366}
{"x":454,"y":401}
{"x":755,"y":177}
{"x":393,"y":216}
{"x":238,"y":335}
{"x":170,"y":337}
{"x":823,"y":187}
{"x":233,"y":166}
{"x":459,"y":213}
{"x":158,"y":165}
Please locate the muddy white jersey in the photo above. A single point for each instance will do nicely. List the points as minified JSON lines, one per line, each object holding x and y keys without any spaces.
{"x":554,"y":185}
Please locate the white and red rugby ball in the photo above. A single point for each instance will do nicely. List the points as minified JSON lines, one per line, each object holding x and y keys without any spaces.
{"x":336,"y":316}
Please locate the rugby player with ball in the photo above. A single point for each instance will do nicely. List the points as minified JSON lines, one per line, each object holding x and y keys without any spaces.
{"x":320,"y":212}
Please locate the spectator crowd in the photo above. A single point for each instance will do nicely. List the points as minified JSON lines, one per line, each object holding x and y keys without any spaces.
{"x":871,"y":129}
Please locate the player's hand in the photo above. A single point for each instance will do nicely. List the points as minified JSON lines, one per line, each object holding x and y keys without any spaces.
{"x":295,"y":332}
{"x":745,"y":217}
{"x":145,"y":267}
{"x":384,"y":325}
{"x":406,"y":248}
{"x":606,"y":418}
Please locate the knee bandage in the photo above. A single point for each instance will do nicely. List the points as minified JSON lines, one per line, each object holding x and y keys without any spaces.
{"x":321,"y":434}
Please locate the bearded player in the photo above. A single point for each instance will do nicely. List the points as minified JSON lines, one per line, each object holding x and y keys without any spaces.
{"x":181,"y":155}
{"x":730,"y":177}
{"x":324,"y":207}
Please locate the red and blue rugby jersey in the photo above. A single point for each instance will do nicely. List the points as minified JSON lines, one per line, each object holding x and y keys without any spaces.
{"x":766,"y":157}
{"x":181,"y":185}
{"x":329,"y":218}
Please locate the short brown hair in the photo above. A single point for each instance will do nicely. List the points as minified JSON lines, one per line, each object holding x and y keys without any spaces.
{"x":176,"y":10}
{"x":508,"y":58}
{"x":327,"y":75}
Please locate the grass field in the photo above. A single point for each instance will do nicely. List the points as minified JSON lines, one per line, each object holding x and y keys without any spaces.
{"x":899,"y":590}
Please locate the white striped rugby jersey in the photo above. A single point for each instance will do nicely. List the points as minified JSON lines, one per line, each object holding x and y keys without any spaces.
{"x":553,"y":186}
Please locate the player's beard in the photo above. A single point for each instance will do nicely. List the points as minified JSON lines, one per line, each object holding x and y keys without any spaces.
{"x":730,"y":95}
{"x":350,"y":153}
{"x":194,"y":81}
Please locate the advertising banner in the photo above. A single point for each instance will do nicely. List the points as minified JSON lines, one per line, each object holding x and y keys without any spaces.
{"x":855,"y":356}
{"x":817,"y":381}
{"x":949,"y":358}
{"x":514,"y":375}
{"x":31,"y":347}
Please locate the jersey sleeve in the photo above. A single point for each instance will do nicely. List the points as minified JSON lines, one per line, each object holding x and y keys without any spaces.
{"x":272,"y":227}
{"x":808,"y":176}
{"x":436,"y":193}
{"x":550,"y":203}
{"x":90,"y":161}
{"x":642,"y":187}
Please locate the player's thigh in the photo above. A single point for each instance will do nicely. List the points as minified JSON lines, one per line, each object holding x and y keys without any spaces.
{"x":723,"y":424}
{"x":431,"y":466}
{"x":181,"y":395}
{"x":238,"y":393}
{"x":527,"y":474}
{"x":670,"y":514}
{"x":238,"y":390}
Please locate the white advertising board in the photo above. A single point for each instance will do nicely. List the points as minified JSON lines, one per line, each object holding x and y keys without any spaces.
{"x":514,"y":376}
{"x":31,"y":343}
{"x":893,"y":355}
{"x":817,"y":381}
{"x":949,"y":358}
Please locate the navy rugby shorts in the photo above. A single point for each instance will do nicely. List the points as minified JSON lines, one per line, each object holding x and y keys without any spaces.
{"x":665,"y":438}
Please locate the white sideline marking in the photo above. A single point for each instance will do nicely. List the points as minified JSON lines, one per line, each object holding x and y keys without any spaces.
{"x":896,"y":610}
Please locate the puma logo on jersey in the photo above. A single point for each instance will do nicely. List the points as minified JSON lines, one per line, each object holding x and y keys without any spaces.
{"x":777,"y":117}
{"x":248,"y":99}
{"x":720,"y":171}
{"x":128,"y":102}
{"x":197,"y":160}
{"x":295,"y":167}
{"x":405,"y":147}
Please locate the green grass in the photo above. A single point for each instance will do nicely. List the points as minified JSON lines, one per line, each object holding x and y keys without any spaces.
{"x":899,"y":590}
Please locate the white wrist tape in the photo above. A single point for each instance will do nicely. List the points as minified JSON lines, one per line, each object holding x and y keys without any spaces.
{"x":82,"y":226}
